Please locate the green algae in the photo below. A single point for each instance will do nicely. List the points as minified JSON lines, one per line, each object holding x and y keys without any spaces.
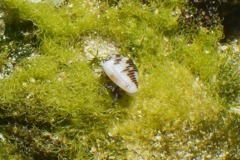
{"x":53,"y":106}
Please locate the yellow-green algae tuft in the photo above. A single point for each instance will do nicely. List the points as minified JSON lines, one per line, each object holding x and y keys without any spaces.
{"x":54,"y":106}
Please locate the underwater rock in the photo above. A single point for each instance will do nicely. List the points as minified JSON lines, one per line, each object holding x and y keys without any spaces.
{"x":57,"y":3}
{"x":2,"y":22}
{"x":18,"y":37}
{"x":96,"y":50}
{"x":97,"y":47}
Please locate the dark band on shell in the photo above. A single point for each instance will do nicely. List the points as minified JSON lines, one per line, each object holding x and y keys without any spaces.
{"x":130,"y":69}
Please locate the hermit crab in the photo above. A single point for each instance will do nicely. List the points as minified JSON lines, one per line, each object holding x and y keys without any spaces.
{"x":123,"y":73}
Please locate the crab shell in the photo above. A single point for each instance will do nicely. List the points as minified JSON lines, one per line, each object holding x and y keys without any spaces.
{"x":123,"y":72}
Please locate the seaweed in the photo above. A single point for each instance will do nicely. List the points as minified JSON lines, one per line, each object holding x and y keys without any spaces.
{"x":53,"y":105}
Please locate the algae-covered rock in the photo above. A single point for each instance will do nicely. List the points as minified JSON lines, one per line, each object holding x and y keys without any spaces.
{"x":53,"y":103}
{"x":2,"y":22}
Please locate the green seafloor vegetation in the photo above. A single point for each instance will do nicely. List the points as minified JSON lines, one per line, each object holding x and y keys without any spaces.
{"x":53,"y":105}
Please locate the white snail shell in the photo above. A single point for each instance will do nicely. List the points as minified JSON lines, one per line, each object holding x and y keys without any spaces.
{"x":123,"y":72}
